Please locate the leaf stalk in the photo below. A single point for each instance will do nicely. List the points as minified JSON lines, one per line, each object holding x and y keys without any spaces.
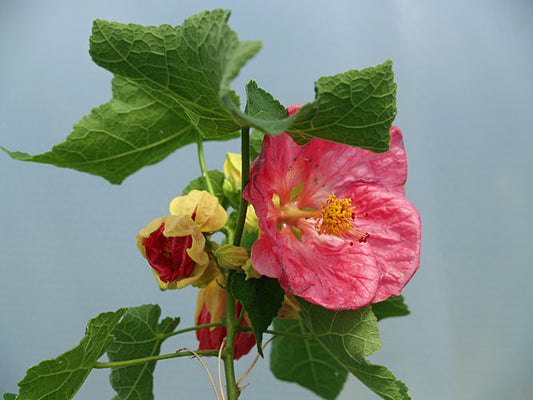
{"x":201,"y":160}
{"x":127,"y":363}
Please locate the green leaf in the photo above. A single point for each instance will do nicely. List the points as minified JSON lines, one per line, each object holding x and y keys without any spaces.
{"x":9,"y":396}
{"x":305,"y":361}
{"x":165,"y":91}
{"x":355,"y":108}
{"x":118,"y":138}
{"x":256,"y":143}
{"x":272,"y":119}
{"x":350,"y":336}
{"x":262,"y":105}
{"x":261,"y":298}
{"x":61,"y":378}
{"x":354,"y":332}
{"x":392,"y":307}
{"x":188,"y":63}
{"x":217,"y":181}
{"x":138,"y":335}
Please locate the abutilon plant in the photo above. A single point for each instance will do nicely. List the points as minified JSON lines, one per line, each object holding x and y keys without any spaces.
{"x":316,"y":239}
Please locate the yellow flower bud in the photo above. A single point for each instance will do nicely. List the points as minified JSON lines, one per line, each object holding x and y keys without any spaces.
{"x":233,"y":167}
{"x":203,"y":208}
{"x":231,"y":257}
{"x":252,"y":222}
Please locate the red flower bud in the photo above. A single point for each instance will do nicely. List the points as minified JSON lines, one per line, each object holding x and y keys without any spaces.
{"x":211,"y":306}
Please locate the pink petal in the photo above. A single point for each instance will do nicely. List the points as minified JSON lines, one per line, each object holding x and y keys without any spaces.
{"x":323,"y":270}
{"x":387,"y":169}
{"x":286,"y":169}
{"x":394,"y":227}
{"x":340,"y":166}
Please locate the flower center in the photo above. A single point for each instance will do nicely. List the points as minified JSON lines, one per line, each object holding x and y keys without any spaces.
{"x":336,"y":217}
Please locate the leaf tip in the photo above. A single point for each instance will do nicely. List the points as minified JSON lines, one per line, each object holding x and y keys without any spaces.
{"x":17,"y":155}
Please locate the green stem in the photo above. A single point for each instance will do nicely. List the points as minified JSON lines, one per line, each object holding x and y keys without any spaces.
{"x":202,"y":164}
{"x":245,"y":177}
{"x":192,"y":328}
{"x":232,"y":325}
{"x":127,"y":363}
{"x":227,"y":354}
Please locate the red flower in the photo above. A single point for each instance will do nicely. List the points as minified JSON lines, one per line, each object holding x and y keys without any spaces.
{"x":210,"y":307}
{"x":175,"y":249}
{"x":168,"y":255}
{"x":336,"y":227}
{"x":174,"y":245}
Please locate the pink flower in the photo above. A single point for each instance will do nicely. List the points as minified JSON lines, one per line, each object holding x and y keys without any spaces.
{"x":336,"y":227}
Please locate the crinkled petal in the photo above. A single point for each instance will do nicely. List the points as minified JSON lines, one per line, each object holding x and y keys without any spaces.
{"x":183,"y":225}
{"x":286,"y":170}
{"x":323,"y":269}
{"x":394,"y":227}
{"x":334,"y":168}
{"x":180,"y":226}
{"x":264,"y":258}
{"x":353,"y":164}
{"x":203,"y":207}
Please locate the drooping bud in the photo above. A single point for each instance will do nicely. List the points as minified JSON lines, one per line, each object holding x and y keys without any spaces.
{"x":231,"y":257}
{"x":233,"y":167}
{"x":211,"y":308}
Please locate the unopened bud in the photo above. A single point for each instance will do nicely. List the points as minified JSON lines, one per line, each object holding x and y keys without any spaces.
{"x":233,"y":167}
{"x":231,"y":257}
{"x":252,"y":222}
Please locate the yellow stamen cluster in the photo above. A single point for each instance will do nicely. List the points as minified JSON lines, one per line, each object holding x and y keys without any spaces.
{"x":335,"y":217}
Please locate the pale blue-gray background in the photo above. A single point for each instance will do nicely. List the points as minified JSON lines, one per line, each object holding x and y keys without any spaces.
{"x":464,"y":74}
